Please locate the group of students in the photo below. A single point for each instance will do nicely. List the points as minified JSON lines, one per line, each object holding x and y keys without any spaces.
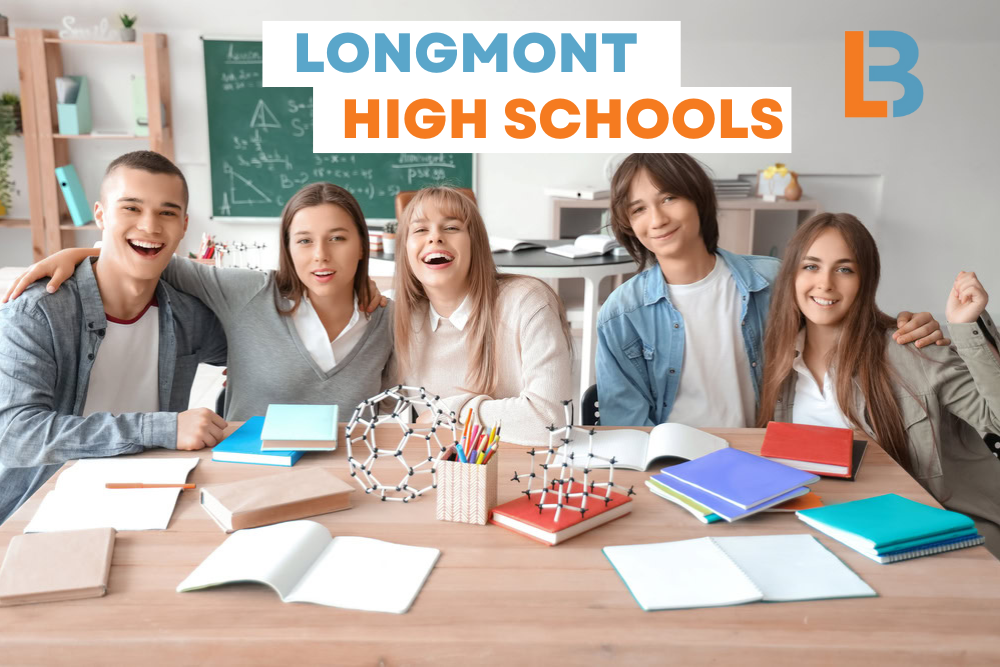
{"x":104,"y":365}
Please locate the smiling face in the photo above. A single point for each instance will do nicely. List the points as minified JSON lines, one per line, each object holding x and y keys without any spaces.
{"x":668,"y":226}
{"x":325,"y":248}
{"x":438,"y":248}
{"x":827,"y":281}
{"x":143,"y":219}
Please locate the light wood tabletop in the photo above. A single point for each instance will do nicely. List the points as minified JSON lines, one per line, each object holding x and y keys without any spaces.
{"x":497,"y":597}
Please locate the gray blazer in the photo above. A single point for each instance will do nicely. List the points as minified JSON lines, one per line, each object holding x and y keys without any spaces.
{"x":946,"y":395}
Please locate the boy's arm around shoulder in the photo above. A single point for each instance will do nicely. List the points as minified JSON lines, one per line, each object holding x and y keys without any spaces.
{"x":224,"y":291}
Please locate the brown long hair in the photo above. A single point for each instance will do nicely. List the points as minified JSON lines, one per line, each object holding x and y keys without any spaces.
{"x":484,"y":289}
{"x":315,"y":194}
{"x":860,"y":353}
{"x":677,"y":173}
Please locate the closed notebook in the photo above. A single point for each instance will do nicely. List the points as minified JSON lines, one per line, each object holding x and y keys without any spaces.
{"x":244,"y":446}
{"x":523,"y":516}
{"x":705,"y":515}
{"x":63,"y":565}
{"x":309,"y":428}
{"x":740,"y":478}
{"x":261,"y":501}
{"x":720,"y":506}
{"x":823,"y":450}
{"x":719,"y":571}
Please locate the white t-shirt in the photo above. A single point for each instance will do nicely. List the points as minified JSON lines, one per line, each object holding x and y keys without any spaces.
{"x":813,"y":404}
{"x":716,"y":389}
{"x":125,"y":376}
{"x":325,"y":352}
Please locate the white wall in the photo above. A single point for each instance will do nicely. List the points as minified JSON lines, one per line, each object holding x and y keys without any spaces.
{"x":924,"y":183}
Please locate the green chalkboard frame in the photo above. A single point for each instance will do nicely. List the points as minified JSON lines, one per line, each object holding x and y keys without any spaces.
{"x":260,"y":146}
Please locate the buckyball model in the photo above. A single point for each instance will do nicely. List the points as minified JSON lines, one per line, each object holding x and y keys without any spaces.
{"x":437,"y":436}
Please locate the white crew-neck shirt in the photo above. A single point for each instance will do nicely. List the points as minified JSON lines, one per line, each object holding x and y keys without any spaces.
{"x":125,"y":376}
{"x":716,"y":389}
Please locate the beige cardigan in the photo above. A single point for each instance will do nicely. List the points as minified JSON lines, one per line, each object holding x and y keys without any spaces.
{"x":960,"y":388}
{"x":534,"y":364}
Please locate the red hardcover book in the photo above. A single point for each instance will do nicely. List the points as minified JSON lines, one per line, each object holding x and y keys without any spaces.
{"x":523,"y":516}
{"x":822,"y":450}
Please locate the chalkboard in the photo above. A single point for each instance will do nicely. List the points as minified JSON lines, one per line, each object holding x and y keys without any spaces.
{"x":260,"y":146}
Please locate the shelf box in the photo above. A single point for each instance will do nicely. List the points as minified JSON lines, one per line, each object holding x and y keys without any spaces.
{"x":74,"y":118}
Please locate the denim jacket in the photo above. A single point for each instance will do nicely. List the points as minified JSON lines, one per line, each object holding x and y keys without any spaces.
{"x":640,"y":340}
{"x":48,"y":343}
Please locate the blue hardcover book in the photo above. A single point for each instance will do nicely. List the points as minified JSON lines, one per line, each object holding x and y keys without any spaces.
{"x":311,"y":428}
{"x":76,"y":200}
{"x":740,"y":478}
{"x":243,"y":446}
{"x":720,"y":506}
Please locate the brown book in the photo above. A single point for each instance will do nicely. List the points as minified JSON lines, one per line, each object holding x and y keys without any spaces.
{"x":274,"y":498}
{"x":62,"y":565}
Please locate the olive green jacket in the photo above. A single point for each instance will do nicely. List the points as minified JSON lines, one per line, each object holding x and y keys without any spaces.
{"x":946,"y":395}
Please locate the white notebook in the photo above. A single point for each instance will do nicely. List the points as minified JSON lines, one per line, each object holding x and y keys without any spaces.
{"x":587,"y":245}
{"x":720,"y":571}
{"x":635,"y":449}
{"x":302,"y":563}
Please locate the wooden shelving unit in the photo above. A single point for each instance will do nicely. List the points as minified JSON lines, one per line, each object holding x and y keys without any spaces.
{"x":39,"y":58}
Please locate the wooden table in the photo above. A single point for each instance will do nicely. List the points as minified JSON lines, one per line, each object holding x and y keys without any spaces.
{"x":496,"y":597}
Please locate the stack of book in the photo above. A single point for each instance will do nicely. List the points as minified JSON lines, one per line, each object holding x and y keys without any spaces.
{"x":731,"y":484}
{"x":824,"y":450}
{"x":732,"y":188}
{"x":891,"y":528}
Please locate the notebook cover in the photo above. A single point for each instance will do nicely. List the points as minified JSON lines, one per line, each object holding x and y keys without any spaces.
{"x":524,"y":510}
{"x":244,"y":446}
{"x":262,"y":501}
{"x":882,"y":521}
{"x":301,"y":424}
{"x":63,"y":565}
{"x":928,"y":549}
{"x":813,"y":444}
{"x":740,"y":478}
{"x":720,"y":506}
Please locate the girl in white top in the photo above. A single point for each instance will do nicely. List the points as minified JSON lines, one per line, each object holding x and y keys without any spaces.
{"x":496,"y":343}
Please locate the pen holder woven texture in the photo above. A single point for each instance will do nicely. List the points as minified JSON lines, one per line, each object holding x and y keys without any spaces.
{"x":466,"y":492}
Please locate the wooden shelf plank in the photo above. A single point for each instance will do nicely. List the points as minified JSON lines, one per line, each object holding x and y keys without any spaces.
{"x":15,"y":223}
{"x":97,"y":136}
{"x":70,"y":227}
{"x":106,"y":42}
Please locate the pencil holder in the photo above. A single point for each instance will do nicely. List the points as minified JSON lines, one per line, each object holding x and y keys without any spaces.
{"x":466,"y":492}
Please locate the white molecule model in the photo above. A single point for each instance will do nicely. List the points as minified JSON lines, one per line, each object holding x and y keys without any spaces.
{"x":563,"y":490}
{"x":437,"y":436}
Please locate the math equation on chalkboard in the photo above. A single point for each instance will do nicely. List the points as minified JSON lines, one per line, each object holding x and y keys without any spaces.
{"x":260,"y":146}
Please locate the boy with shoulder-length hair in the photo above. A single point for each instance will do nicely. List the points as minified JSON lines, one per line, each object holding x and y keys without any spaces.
{"x":104,"y":366}
{"x":682,"y":341}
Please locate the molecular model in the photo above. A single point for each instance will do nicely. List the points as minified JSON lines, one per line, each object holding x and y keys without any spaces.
{"x":563,"y":490}
{"x":437,"y":436}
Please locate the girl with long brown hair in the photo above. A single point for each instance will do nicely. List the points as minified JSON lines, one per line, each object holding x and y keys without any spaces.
{"x":295,"y":335}
{"x":831,"y":361}
{"x":495,"y":343}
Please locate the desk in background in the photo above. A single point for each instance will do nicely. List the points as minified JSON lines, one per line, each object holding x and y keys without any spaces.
{"x":498,"y":598}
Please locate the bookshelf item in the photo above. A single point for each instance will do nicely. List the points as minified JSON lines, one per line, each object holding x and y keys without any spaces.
{"x":467,"y":492}
{"x":73,"y":194}
{"x":73,"y":106}
{"x":360,"y":434}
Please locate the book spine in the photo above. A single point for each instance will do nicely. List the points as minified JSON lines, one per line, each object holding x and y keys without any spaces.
{"x":929,"y":551}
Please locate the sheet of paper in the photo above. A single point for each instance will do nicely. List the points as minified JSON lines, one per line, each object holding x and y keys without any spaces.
{"x":95,"y":473}
{"x":628,"y":446}
{"x":122,"y":509}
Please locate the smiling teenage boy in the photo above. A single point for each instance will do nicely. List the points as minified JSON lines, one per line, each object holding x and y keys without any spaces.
{"x":104,"y":366}
{"x":682,"y":341}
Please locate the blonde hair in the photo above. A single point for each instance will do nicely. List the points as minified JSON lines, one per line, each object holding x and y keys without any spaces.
{"x":485,"y":281}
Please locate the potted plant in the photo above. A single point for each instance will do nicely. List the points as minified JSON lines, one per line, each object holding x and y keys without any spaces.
{"x":14,"y":102}
{"x":389,"y":238}
{"x":3,"y":26}
{"x":6,"y":157}
{"x":127,"y":32}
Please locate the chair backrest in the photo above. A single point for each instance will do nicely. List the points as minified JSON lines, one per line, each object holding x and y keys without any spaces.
{"x":404,"y":197}
{"x":590,"y":415}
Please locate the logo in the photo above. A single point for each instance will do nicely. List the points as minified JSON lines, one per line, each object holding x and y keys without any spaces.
{"x":855,"y":104}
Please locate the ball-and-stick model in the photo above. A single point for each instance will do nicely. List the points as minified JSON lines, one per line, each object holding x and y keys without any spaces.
{"x":437,"y":436}
{"x":563,"y":490}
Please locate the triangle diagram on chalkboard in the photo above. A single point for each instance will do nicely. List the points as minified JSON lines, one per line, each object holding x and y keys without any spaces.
{"x":262,"y":117}
{"x":242,"y":190}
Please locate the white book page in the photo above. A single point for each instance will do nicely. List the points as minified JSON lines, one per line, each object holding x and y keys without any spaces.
{"x":598,"y":243}
{"x":122,"y":509}
{"x":366,"y":574}
{"x":95,"y":473}
{"x":681,"y":575}
{"x":681,"y":441}
{"x":793,"y":567}
{"x":277,"y":555}
{"x":627,"y":445}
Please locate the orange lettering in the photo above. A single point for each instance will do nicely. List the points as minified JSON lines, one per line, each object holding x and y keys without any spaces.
{"x":352,"y":118}
{"x":459,"y":118}
{"x":728,"y":131}
{"x":513,"y":112}
{"x":773,"y":122}
{"x":613,"y":119}
{"x":662,"y":118}
{"x":435,"y":123}
{"x":707,"y":118}
{"x":546,"y":118}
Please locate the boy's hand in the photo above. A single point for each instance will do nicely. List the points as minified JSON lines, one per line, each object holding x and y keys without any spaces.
{"x":922,"y":328}
{"x":967,"y":299}
{"x":199,"y":428}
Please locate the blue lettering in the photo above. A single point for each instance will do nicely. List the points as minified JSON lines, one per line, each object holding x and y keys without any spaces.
{"x":447,"y":56}
{"x":586,"y":56}
{"x":913,"y":90}
{"x":619,"y":40}
{"x":548,"y":52}
{"x":302,"y":62}
{"x":471,"y":48}
{"x":333,"y":52}
{"x":400,"y":57}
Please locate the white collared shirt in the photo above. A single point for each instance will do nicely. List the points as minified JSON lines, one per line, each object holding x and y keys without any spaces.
{"x":325,"y":352}
{"x":813,"y":405}
{"x":458,"y":319}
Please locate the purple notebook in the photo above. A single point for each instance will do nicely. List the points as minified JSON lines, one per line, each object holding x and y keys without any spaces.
{"x":724,"y":508}
{"x":743,"y":479}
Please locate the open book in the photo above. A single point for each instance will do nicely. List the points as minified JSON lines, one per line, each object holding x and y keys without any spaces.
{"x":636,"y":450}
{"x":302,"y":563}
{"x":587,"y":245}
{"x":501,"y":244}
